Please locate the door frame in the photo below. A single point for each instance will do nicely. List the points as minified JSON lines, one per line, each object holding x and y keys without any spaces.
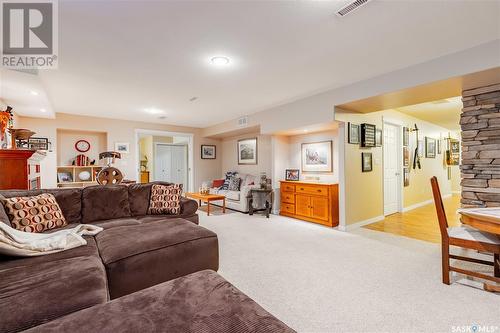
{"x":155,"y":147}
{"x":399,"y":140}
{"x":190,"y":165}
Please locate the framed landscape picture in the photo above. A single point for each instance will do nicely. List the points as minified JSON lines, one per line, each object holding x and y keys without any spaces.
{"x":208,"y":152}
{"x":292,"y":174}
{"x":366,"y":162}
{"x":122,"y":147}
{"x":430,"y":147}
{"x":353,"y":133}
{"x":247,"y":151}
{"x":317,"y":156}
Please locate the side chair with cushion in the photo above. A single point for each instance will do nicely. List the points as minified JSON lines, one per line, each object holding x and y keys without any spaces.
{"x":464,"y":237}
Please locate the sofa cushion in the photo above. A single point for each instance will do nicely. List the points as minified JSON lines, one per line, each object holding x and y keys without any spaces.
{"x":82,"y":251}
{"x":34,"y":213}
{"x":234,"y":184}
{"x":233,"y":195}
{"x":200,"y":302}
{"x":165,"y":199}
{"x":124,"y":221}
{"x":104,"y":202}
{"x":70,"y":201}
{"x":227,"y":179}
{"x":35,"y":294}
{"x":154,"y":218}
{"x":137,"y":257}
{"x":217,"y":183}
{"x":138,"y":198}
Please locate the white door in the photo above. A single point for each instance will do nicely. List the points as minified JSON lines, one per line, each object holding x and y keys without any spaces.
{"x":171,"y":164}
{"x":392,"y":185}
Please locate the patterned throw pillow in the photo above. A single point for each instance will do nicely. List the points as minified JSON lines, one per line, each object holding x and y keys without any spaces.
{"x":165,"y":199}
{"x":34,"y":214}
{"x":234,"y":184}
{"x":228,"y":177}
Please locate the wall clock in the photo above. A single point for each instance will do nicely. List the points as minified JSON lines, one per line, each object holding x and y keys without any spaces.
{"x":82,"y":146}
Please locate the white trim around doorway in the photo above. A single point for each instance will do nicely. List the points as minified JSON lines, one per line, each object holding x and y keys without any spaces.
{"x":189,"y":136}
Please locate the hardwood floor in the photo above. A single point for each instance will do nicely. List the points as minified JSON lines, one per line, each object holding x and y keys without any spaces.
{"x":420,"y":223}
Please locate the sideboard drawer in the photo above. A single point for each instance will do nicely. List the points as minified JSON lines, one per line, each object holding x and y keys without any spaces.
{"x":288,"y":208}
{"x":288,"y":197}
{"x":288,"y":188}
{"x":318,"y":190}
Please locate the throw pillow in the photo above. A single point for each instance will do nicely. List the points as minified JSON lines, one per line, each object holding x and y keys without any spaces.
{"x":217,"y":183}
{"x":227,"y":178}
{"x":165,"y":199}
{"x":234,"y":184}
{"x":34,"y":214}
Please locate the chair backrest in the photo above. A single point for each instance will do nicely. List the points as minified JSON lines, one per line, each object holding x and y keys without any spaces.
{"x":441,"y":214}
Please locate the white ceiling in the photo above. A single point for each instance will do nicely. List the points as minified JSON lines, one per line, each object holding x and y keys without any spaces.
{"x":444,"y":113}
{"x":117,"y":58}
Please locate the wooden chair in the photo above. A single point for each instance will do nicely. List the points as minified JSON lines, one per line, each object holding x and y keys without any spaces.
{"x":464,"y":237}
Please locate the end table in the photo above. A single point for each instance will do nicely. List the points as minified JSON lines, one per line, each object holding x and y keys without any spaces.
{"x":263,"y":193}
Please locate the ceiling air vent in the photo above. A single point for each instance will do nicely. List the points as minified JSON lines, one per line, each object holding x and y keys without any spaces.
{"x":350,"y":7}
{"x":243,"y":121}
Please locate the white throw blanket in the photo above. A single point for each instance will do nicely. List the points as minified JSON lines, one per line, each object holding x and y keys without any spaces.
{"x":24,"y":244}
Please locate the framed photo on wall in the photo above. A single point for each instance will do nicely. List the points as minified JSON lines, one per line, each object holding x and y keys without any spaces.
{"x":430,"y":147}
{"x":406,"y":136}
{"x":292,"y":174}
{"x":208,"y":152}
{"x":247,"y":151}
{"x":406,"y":177}
{"x":38,"y":143}
{"x":122,"y":147}
{"x":378,"y":137}
{"x":406,"y":157}
{"x":353,"y":133}
{"x":317,"y":156}
{"x":368,"y":135}
{"x":366,"y":162}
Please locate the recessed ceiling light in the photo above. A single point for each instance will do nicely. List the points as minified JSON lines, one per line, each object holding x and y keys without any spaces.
{"x":153,"y":110}
{"x":43,"y":110}
{"x":34,"y":93}
{"x":220,"y":61}
{"x":305,"y":131}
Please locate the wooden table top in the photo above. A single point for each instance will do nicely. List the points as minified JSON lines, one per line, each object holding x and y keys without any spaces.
{"x":199,"y":196}
{"x":484,"y":219}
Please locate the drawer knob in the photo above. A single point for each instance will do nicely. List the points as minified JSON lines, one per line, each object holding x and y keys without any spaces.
{"x":302,"y":189}
{"x":319,"y":190}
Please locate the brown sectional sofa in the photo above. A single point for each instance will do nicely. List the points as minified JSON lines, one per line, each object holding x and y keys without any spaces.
{"x":133,"y":252}
{"x":157,"y":270}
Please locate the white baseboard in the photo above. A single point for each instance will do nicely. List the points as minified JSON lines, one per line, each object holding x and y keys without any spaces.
{"x":423,"y":203}
{"x":361,"y":223}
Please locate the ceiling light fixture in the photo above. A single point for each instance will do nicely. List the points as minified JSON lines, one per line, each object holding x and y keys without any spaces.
{"x":43,"y":110}
{"x":220,"y":61}
{"x":153,"y":110}
{"x":34,"y":93}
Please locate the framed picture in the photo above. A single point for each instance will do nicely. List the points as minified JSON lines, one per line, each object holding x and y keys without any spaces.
{"x":406,"y":136}
{"x":430,"y":147}
{"x":378,"y":137}
{"x":368,"y":135}
{"x":420,"y":148}
{"x":292,"y":174}
{"x":247,"y":151}
{"x":366,"y":162}
{"x":208,"y":152}
{"x":406,"y":177}
{"x":317,"y":156}
{"x":122,"y":147}
{"x":406,"y":157}
{"x":455,"y":146}
{"x":439,"y":146}
{"x":64,"y":177}
{"x":38,"y":143}
{"x":353,"y":133}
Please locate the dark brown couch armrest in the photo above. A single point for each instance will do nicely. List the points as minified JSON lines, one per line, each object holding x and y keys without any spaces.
{"x":188,"y":206}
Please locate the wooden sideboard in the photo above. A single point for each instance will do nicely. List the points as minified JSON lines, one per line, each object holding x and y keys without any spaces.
{"x":20,"y":169}
{"x":313,"y":202}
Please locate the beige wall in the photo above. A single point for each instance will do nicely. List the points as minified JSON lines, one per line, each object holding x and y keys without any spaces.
{"x":117,"y":131}
{"x":229,"y":154}
{"x":364,"y":190}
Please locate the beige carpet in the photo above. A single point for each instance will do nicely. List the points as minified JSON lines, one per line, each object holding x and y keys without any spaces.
{"x":317,"y":279}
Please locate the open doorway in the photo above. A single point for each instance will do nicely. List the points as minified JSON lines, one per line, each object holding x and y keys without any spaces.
{"x":165,"y":156}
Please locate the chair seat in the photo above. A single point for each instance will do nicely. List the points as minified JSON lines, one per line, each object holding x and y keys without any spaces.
{"x":473,"y":235}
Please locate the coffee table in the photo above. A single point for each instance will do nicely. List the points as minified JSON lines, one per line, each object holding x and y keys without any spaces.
{"x":208,"y":198}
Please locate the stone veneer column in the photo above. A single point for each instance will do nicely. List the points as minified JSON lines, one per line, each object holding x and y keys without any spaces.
{"x":480,"y":169}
